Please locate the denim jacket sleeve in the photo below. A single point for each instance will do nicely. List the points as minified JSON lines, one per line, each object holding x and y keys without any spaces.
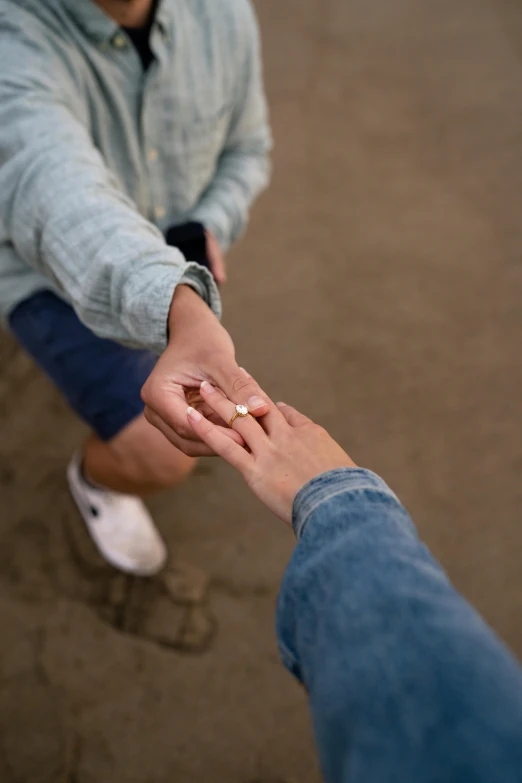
{"x":405,"y":680}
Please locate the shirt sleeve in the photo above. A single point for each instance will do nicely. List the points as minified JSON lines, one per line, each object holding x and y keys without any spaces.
{"x":406,"y":681}
{"x":244,"y":166}
{"x":65,"y":215}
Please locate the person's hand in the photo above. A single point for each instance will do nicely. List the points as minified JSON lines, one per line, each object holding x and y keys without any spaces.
{"x":216,"y":259}
{"x":286,"y":449}
{"x":199,"y":349}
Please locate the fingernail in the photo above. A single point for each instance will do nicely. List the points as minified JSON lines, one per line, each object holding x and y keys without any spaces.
{"x":206,"y":386}
{"x":255,"y":402}
{"x":193,"y":414}
{"x":282,"y":404}
{"x":245,"y":372}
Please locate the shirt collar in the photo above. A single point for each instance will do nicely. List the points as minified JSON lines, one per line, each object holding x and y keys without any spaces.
{"x":88,"y":15}
{"x":96,"y":23}
{"x":163,"y":18}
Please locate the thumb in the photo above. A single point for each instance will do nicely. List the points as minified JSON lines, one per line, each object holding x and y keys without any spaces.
{"x":216,"y":259}
{"x":241,"y":388}
{"x":218,"y":269}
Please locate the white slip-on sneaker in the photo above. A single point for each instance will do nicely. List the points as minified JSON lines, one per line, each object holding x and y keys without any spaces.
{"x":120,"y":525}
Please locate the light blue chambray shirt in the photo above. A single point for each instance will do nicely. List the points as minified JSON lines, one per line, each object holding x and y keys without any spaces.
{"x":97,"y":158}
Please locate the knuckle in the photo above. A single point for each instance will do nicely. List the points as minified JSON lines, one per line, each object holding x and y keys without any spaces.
{"x":149,"y":415}
{"x":272,"y":449}
{"x":151,"y":394}
{"x":206,"y":429}
{"x":183,"y":431}
{"x":188,"y":447}
{"x":146,"y":393}
{"x":239,"y":383}
{"x":228,"y":448}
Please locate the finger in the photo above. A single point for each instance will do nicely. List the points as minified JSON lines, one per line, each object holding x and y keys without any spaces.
{"x":293,"y":417}
{"x":239,"y":387}
{"x":217,"y":267}
{"x":168,"y":402}
{"x":192,"y":448}
{"x":216,"y":440}
{"x":200,"y":405}
{"x":171,"y":406}
{"x":216,"y":260}
{"x":247,"y":426}
{"x":273,"y":420}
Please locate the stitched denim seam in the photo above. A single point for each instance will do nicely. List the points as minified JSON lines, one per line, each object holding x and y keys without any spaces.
{"x":332,"y":484}
{"x":367,"y":491}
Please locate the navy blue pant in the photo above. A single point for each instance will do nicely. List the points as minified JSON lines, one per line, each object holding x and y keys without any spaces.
{"x":100,"y":379}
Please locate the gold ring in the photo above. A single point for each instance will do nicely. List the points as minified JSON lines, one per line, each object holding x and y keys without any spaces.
{"x":241,"y":412}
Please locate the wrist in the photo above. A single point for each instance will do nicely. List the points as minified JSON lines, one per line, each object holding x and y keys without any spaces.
{"x":189,"y":313}
{"x":184,"y":301}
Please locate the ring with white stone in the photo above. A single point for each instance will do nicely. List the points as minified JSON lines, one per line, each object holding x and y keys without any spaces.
{"x":241,"y":411}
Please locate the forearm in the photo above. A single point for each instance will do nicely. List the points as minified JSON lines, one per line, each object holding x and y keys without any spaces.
{"x":71,"y":224}
{"x":122,"y":280}
{"x":405,"y":680}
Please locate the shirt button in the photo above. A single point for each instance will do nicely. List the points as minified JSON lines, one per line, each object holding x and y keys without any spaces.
{"x":152,"y":154}
{"x":160,"y":212}
{"x":119,"y":41}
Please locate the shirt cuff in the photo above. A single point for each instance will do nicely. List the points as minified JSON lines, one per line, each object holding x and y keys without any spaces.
{"x":147,"y":298}
{"x":201,"y":280}
{"x":326,"y":486}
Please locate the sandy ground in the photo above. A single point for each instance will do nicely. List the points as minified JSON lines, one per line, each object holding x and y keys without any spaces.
{"x":378,"y":289}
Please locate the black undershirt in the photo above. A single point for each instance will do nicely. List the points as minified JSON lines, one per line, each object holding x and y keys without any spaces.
{"x":140,"y":37}
{"x":191,"y":239}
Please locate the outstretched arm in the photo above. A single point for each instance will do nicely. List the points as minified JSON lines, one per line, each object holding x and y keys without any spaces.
{"x":406,"y":682}
{"x":64,"y":214}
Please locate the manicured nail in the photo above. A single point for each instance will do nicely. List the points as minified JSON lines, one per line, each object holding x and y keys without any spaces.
{"x":206,"y":386}
{"x":255,"y":402}
{"x":245,"y":372}
{"x":193,"y":414}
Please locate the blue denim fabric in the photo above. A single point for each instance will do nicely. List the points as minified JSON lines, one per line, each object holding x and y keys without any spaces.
{"x":100,"y":379}
{"x":406,"y":681}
